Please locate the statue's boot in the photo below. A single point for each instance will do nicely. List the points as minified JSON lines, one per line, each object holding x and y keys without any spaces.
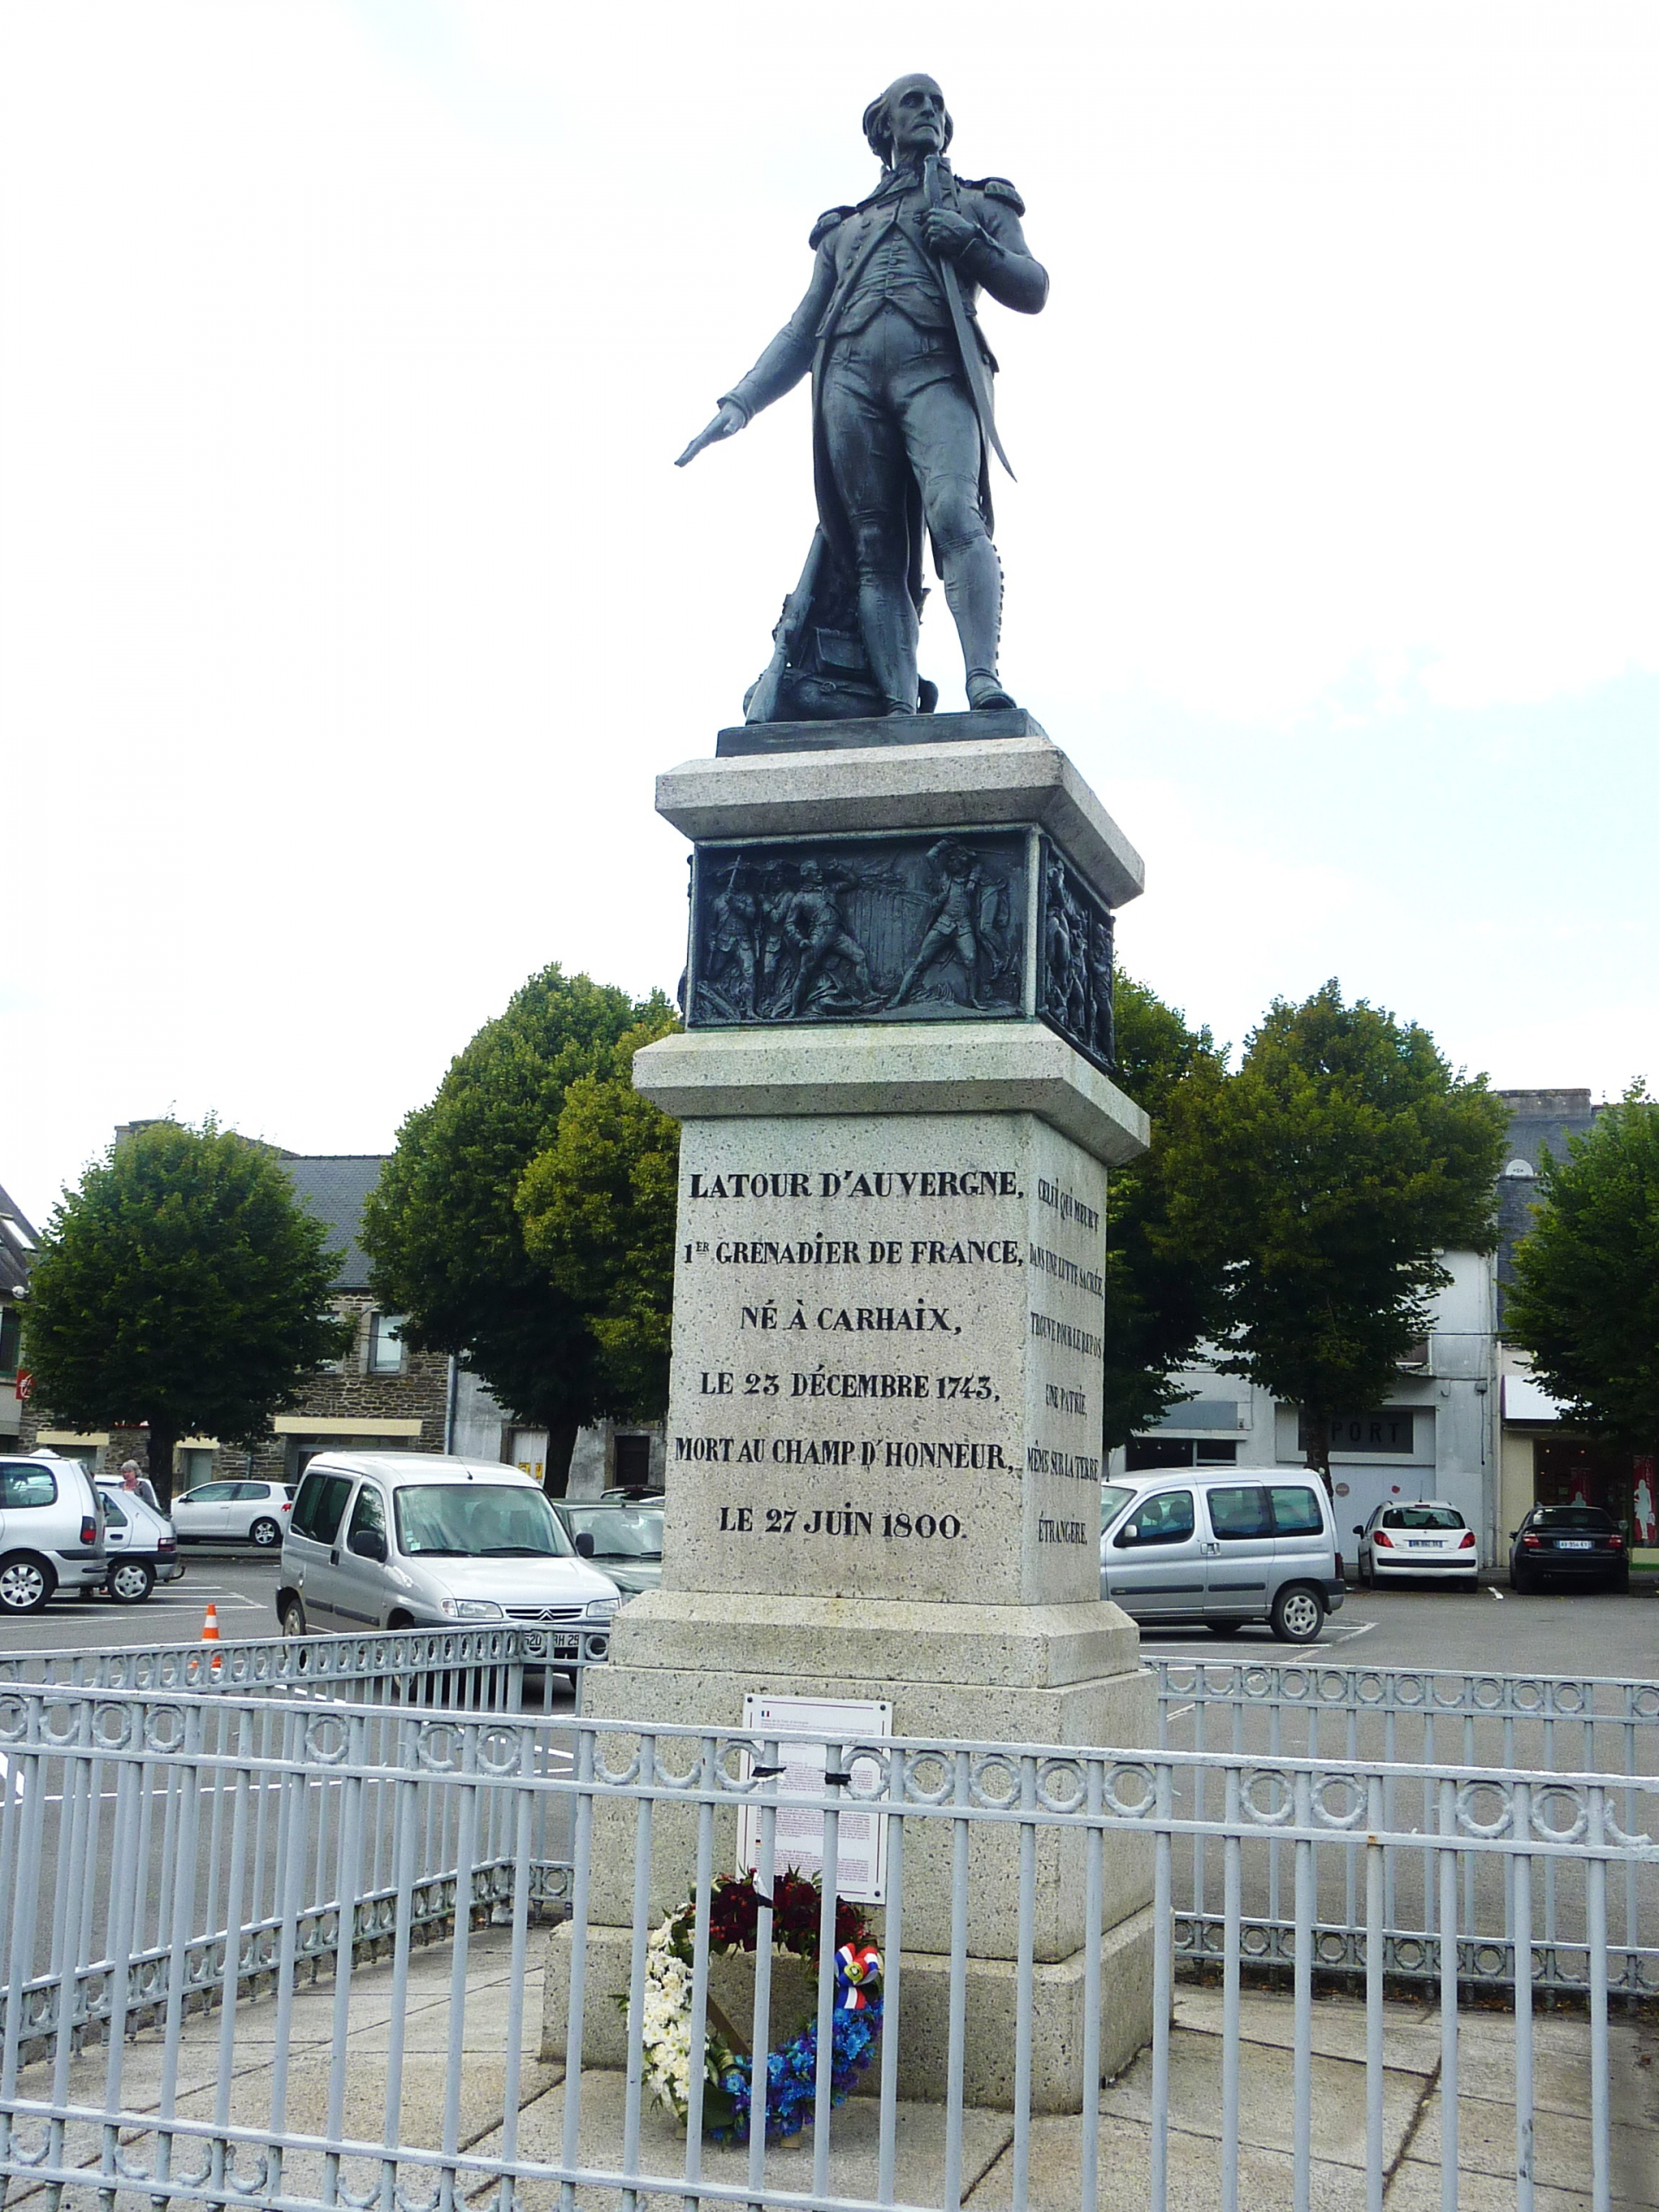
{"x":887,"y":618}
{"x":973,"y":588}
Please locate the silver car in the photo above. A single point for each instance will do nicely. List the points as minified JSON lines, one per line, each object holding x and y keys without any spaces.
{"x":142,"y":1548}
{"x":51,"y":1531}
{"x":624,"y":1538}
{"x":233,"y":1513}
{"x":1222,"y":1548}
{"x":403,"y":1539}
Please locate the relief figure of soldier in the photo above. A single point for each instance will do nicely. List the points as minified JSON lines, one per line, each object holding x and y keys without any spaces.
{"x":902,"y":422}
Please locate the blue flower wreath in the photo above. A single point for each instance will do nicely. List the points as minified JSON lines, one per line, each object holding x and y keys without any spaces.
{"x":791,"y":2072}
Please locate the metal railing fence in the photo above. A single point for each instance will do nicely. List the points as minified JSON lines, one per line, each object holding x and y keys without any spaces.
{"x":148,"y":1838}
{"x":481,"y":1668}
{"x":1396,"y":1719}
{"x":1391,"y":1719}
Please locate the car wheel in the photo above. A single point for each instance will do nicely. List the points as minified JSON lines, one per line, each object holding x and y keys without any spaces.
{"x":1298,"y":1614}
{"x":264,"y":1532}
{"x":1620,"y":1585}
{"x":1521,"y":1582}
{"x":1224,"y":1628}
{"x":1363,"y":1574}
{"x":1471,"y":1584}
{"x":294,"y":1618}
{"x":131,"y":1582}
{"x":26,"y":1583}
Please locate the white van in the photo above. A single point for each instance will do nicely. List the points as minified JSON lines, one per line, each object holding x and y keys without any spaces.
{"x":388,"y":1540}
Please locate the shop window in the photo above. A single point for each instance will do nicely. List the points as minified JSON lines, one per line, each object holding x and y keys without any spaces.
{"x":1145,"y":1453}
{"x":1573,"y":1473}
{"x":11,"y":1331}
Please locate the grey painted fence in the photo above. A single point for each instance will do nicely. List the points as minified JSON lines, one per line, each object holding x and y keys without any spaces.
{"x":199,"y":1872}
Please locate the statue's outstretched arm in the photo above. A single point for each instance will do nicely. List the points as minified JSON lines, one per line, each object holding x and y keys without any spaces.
{"x":780,"y":369}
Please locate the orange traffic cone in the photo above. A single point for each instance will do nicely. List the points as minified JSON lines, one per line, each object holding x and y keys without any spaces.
{"x":210,"y":1632}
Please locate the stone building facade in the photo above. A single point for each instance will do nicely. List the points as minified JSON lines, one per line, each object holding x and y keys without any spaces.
{"x":380,"y":1398}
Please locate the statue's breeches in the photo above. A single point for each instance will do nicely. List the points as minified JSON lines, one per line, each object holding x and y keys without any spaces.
{"x":895,"y":402}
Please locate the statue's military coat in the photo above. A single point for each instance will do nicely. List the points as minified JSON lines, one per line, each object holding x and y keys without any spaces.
{"x":845,"y":240}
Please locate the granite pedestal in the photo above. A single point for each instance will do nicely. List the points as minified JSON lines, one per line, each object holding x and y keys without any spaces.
{"x":884,"y":1452}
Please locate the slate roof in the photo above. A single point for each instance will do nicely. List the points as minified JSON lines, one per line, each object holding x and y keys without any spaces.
{"x":335,"y":1185}
{"x":17,"y":1246}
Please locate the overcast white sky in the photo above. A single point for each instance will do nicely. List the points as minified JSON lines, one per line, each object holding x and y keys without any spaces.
{"x":350,"y":603}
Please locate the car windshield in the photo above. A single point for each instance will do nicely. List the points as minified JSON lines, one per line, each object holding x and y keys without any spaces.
{"x":1112,"y":1496}
{"x":1422,"y":1516}
{"x":621,"y":1531}
{"x":477,"y":1520}
{"x":1573,"y":1516}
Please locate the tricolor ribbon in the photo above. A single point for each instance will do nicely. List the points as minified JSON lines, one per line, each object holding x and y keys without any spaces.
{"x":857,"y":1965}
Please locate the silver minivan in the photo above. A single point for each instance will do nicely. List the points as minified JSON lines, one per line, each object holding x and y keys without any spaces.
{"x":1222,"y":1547}
{"x":51,"y":1531}
{"x":406,"y":1540}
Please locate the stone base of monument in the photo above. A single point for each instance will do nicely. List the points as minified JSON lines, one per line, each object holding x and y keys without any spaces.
{"x":1062,"y":1675}
{"x":884,"y":1434}
{"x":992,"y":1997}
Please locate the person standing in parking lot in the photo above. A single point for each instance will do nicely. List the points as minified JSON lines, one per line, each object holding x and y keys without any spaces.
{"x":140,"y":1485}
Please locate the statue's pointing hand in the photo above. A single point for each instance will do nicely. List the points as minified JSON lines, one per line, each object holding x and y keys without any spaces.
{"x":730,"y":421}
{"x":947,"y":234}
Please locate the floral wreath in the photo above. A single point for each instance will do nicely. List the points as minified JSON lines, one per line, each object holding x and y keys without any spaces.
{"x":791,"y":2073}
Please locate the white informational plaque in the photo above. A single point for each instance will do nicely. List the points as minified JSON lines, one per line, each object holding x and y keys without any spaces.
{"x":861,"y":1837}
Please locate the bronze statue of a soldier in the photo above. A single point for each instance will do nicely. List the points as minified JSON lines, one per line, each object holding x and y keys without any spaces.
{"x":902,"y":423}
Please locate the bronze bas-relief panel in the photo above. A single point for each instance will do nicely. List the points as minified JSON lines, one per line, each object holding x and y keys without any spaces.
{"x":915,"y":928}
{"x":1074,"y":959}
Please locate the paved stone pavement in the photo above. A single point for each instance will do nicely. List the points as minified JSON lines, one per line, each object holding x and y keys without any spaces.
{"x":1412,"y":2107}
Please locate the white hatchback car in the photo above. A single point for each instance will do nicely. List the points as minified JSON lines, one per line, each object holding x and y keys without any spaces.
{"x":142,"y":1548}
{"x":1425,"y":1536}
{"x":234,"y":1513}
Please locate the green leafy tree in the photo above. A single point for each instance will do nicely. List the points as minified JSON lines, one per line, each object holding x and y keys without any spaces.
{"x":442,"y":1229}
{"x":1329,"y":1175}
{"x":1584,"y":1303}
{"x":598,"y":1209}
{"x":1163,"y":1286}
{"x":185,"y":1286}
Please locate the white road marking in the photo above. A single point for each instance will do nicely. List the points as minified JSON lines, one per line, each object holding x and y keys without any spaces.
{"x":1492,"y":1591}
{"x":1180,"y":1709}
{"x":1348,"y":1634}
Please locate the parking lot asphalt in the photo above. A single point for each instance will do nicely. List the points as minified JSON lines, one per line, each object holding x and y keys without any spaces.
{"x":242,"y":1583}
{"x":1568,"y":1632}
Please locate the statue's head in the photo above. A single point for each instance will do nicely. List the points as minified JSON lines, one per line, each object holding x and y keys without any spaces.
{"x":812,"y":875}
{"x":909,"y":119}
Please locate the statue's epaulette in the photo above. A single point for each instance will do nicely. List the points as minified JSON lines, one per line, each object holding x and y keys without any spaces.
{"x":998,"y":188}
{"x":827,"y":222}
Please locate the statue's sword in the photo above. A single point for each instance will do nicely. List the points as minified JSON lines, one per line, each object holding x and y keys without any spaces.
{"x":973,"y":361}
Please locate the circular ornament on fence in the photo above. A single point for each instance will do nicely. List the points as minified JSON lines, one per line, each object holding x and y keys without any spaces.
{"x":791,"y":2071}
